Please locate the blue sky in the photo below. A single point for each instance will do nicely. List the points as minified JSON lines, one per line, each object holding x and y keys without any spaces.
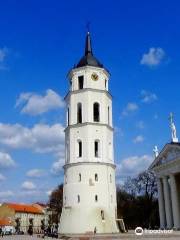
{"x":137,"y":41}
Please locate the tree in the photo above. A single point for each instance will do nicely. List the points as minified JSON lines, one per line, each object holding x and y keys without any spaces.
{"x":137,"y":201}
{"x":18,"y":224}
{"x":56,"y":203}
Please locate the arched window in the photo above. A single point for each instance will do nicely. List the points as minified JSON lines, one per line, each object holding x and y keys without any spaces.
{"x":96,"y":148}
{"x":96,"y":198}
{"x":80,"y":82}
{"x":96,"y":177}
{"x":96,"y":114}
{"x":78,"y":198}
{"x":79,"y":177}
{"x":79,"y":113}
{"x":108,"y":114}
{"x":79,"y":148}
{"x":102,"y":214}
{"x":110,"y":151}
{"x":105,"y":83}
{"x":110,"y":178}
{"x":68,"y":116}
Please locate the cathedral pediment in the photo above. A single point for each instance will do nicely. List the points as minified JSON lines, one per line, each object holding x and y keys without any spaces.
{"x":170,"y":153}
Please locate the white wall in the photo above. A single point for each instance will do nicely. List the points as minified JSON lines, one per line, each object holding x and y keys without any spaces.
{"x":87,"y":188}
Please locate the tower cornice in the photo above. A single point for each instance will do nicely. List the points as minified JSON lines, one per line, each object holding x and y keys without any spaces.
{"x":88,"y":123}
{"x":74,"y":70}
{"x":68,"y":165}
{"x":86,"y":90}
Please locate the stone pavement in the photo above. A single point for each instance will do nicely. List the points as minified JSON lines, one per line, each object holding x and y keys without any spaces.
{"x":126,"y":236}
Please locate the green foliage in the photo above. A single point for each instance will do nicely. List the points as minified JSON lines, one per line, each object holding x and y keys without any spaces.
{"x":55,"y":204}
{"x":137,"y":201}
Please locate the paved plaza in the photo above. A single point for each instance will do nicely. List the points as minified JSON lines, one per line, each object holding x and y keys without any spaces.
{"x":126,"y":236}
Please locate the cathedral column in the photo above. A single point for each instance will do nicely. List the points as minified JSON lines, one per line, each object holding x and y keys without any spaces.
{"x":168,"y":207}
{"x":175,"y":203}
{"x":161,"y":204}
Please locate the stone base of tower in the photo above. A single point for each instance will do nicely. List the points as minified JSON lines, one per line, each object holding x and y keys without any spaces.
{"x":83,"y":220}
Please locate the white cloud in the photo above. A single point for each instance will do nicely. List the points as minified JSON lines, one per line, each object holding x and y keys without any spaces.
{"x":138,"y":139}
{"x":133,"y":165}
{"x":27,"y":185}
{"x":153,"y":58}
{"x":3,"y":54}
{"x":57,"y":167}
{"x":148,"y":97}
{"x":35,"y":104}
{"x":35,"y":173}
{"x":140,"y":124}
{"x":2,"y":177}
{"x":40,"y":138}
{"x":6,"y":161}
{"x":131,"y":107}
{"x":6,"y":194}
{"x":49,"y":192}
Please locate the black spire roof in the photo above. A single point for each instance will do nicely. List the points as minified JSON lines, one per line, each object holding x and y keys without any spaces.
{"x":88,"y":59}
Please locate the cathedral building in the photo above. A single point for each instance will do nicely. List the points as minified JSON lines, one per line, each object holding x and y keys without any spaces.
{"x":89,"y":203}
{"x":166,"y":167}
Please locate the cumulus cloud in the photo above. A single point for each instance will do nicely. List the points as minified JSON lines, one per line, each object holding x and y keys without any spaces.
{"x":138,"y":139}
{"x":40,"y":138}
{"x":35,"y":173}
{"x":133,"y":165}
{"x":2,"y":177}
{"x":49,"y":192}
{"x":27,"y":185}
{"x":3,"y":54}
{"x":6,"y":161}
{"x":148,"y":97}
{"x":35,"y":104}
{"x":6,"y":194}
{"x":57,"y":167}
{"x":153,"y":58}
{"x":140,"y":124}
{"x":131,"y":107}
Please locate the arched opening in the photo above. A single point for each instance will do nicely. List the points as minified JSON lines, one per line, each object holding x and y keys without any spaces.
{"x":108,"y":115}
{"x":78,"y":198}
{"x":79,"y":148}
{"x":80,"y":82}
{"x":79,"y":113}
{"x":102,"y":215}
{"x":96,"y":148}
{"x":68,"y":116}
{"x":96,"y":114}
{"x":110,"y":178}
{"x":79,"y":177}
{"x":96,"y":177}
{"x":105,"y":83}
{"x":96,"y":198}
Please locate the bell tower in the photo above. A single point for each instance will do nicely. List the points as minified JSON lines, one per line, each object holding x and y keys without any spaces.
{"x":89,"y":202}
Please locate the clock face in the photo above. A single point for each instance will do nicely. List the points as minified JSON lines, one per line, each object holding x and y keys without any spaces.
{"x":94,"y":77}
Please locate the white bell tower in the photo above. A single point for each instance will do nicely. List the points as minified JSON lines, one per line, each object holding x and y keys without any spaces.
{"x":89,"y":197}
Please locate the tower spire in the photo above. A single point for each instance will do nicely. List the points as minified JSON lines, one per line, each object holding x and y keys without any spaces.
{"x":88,"y":47}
